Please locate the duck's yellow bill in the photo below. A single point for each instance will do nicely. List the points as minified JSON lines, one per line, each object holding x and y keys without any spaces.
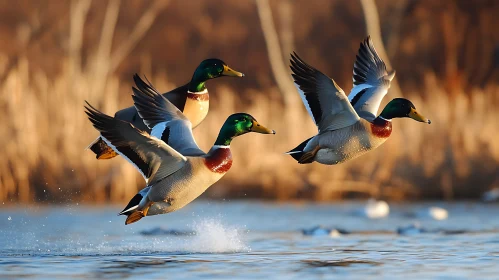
{"x":230,"y":72}
{"x":418,"y":117}
{"x":261,"y":129}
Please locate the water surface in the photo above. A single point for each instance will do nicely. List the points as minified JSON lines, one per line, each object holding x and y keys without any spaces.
{"x":244,"y":240}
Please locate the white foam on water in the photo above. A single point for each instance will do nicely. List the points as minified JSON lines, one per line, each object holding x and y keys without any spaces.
{"x":212,"y":236}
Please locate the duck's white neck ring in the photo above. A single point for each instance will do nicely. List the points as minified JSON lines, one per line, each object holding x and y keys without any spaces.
{"x":221,"y":147}
{"x":384,"y":119}
{"x":198,"y":92}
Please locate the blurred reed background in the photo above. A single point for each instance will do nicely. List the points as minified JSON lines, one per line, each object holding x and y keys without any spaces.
{"x":56,"y":54}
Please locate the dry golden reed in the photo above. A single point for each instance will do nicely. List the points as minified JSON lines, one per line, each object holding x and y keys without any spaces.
{"x":45,"y":132}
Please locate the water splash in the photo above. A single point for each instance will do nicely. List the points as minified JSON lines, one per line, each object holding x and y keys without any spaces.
{"x":212,"y":236}
{"x":209,"y":235}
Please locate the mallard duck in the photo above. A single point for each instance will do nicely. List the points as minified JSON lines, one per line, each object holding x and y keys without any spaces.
{"x":343,"y":134}
{"x":192,"y":99}
{"x":173,"y":180}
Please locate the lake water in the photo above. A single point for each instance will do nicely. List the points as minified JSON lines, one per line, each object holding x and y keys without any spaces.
{"x":246,"y":240}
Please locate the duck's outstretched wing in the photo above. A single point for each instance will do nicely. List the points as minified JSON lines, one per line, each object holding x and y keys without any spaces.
{"x":165,"y":120}
{"x":152,"y":157}
{"x":370,"y":79}
{"x":325,"y":101}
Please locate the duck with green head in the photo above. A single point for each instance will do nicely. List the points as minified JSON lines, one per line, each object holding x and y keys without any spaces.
{"x":173,"y":179}
{"x":343,"y":135}
{"x":192,"y":99}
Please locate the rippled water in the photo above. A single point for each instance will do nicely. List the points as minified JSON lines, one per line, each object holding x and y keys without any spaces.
{"x":237,"y":240}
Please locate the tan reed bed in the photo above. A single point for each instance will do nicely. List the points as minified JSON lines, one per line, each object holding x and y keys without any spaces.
{"x":44,"y":134}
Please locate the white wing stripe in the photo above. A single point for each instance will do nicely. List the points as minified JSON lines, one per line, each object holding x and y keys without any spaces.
{"x":305,"y":102}
{"x":356,"y":90}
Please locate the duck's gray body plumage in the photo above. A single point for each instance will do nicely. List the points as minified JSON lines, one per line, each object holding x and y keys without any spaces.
{"x":343,"y":144}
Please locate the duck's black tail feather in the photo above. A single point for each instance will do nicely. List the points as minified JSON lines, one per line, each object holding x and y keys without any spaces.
{"x":297,"y":152}
{"x":132,"y":205}
{"x":131,"y":212}
{"x":136,"y":215}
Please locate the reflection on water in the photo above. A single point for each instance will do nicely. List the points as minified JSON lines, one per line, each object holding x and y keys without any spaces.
{"x":119,"y":268}
{"x":318,"y":263}
{"x":249,"y":240}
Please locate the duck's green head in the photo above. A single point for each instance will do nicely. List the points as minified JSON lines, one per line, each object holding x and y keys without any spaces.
{"x":210,"y":69}
{"x":402,"y":108}
{"x":239,"y":124}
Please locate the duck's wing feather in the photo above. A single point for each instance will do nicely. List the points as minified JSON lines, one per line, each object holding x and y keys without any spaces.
{"x":165,"y":120}
{"x":325,"y":101}
{"x":152,"y":157}
{"x":370,"y":79}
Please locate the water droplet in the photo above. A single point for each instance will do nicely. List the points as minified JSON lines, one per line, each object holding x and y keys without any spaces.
{"x":43,"y":190}
{"x":9,"y":218}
